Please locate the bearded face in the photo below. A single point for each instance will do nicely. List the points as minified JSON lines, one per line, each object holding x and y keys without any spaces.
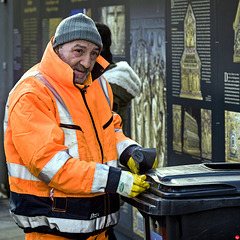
{"x":81,"y":56}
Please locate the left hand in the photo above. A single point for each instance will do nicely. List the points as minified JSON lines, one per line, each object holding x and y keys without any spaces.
{"x":130,"y":185}
{"x":142,"y":159}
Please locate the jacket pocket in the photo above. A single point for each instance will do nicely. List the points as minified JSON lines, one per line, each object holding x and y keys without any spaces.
{"x":59,"y":204}
{"x":70,"y":126}
{"x":76,"y":142}
{"x":108,"y":123}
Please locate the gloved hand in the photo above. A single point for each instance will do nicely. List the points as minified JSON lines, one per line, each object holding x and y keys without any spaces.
{"x":139,"y":159}
{"x":130,"y":185}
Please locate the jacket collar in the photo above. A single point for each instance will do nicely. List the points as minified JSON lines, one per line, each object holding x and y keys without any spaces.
{"x":62,"y":73}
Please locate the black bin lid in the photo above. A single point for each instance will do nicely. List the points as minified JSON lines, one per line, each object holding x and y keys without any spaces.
{"x":190,"y":188}
{"x":195,"y":180}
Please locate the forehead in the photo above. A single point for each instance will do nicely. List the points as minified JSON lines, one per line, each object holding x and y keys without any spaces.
{"x":81,"y":44}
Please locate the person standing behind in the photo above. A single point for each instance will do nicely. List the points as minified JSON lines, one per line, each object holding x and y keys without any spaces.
{"x":124,"y":82}
{"x":63,"y":142}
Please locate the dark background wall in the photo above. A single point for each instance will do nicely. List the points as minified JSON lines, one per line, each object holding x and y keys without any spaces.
{"x":153,"y":43}
{"x":6,"y":74}
{"x":151,"y":36}
{"x":29,"y":25}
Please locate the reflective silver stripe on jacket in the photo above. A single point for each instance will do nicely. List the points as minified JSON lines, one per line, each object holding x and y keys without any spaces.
{"x":20,"y":171}
{"x":5,"y":122}
{"x":117,"y":130}
{"x":103,"y":83}
{"x":121,"y":146}
{"x":53,"y":166}
{"x":112,"y":163}
{"x":100,"y":178}
{"x":47,"y":173}
{"x":67,"y":225}
{"x":70,"y":137}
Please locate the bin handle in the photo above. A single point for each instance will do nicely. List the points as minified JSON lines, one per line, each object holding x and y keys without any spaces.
{"x":223,"y":166}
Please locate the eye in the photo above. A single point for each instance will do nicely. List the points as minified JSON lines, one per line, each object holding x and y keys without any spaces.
{"x":94,"y":55}
{"x":78,"y":52}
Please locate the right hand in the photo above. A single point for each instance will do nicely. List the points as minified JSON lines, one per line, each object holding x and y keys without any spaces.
{"x":142,"y":159}
{"x":139,"y":159}
{"x":130,"y":185}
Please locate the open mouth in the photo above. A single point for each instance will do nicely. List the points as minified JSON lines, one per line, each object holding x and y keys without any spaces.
{"x":79,"y":72}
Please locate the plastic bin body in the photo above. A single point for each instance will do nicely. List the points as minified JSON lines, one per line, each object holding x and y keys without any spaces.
{"x":199,"y":201}
{"x":222,"y":224}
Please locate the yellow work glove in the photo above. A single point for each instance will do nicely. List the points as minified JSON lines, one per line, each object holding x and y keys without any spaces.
{"x":139,"y":159}
{"x":134,"y":166}
{"x":130,"y":185}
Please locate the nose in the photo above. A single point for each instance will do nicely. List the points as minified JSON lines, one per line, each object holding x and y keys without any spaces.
{"x":86,"y":61}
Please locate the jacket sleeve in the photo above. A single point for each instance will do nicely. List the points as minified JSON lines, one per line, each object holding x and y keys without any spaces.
{"x":39,"y":142}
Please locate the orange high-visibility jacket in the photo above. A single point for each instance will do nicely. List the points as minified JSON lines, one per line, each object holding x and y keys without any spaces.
{"x":62,"y":143}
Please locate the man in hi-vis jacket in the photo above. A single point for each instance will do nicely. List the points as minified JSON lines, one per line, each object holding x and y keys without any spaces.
{"x":63,"y":143}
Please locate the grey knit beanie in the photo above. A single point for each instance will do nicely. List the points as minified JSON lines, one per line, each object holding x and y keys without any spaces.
{"x":77,"y":27}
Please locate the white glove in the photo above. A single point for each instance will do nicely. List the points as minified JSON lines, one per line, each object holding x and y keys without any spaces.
{"x":130,"y":185}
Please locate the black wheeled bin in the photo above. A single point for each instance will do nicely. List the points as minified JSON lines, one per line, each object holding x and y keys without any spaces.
{"x":192,"y":202}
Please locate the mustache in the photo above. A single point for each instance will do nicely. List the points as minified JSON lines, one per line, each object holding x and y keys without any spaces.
{"x":80,"y":68}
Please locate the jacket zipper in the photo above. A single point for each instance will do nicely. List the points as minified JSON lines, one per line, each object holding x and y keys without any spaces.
{"x":83,"y":91}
